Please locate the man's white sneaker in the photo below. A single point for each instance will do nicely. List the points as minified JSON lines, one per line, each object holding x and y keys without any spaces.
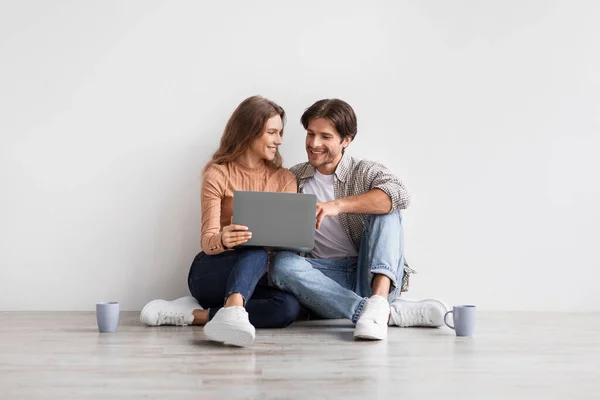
{"x":176,"y":312}
{"x":231,"y":325}
{"x":424,"y":313}
{"x":373,"y":322}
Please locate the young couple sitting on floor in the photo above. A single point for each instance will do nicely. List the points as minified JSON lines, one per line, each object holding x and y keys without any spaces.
{"x":356,"y":269}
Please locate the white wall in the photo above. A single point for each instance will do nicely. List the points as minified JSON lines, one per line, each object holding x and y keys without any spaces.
{"x":489,"y":111}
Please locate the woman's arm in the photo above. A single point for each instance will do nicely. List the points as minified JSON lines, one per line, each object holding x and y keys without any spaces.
{"x":290,"y":184}
{"x":211,"y":195}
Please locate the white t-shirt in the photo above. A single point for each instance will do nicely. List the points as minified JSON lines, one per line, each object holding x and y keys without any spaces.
{"x":330,"y":240}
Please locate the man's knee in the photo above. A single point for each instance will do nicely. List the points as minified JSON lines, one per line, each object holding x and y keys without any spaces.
{"x":395,"y":217}
{"x":282,"y":268}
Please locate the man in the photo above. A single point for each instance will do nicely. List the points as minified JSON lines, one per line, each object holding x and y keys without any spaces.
{"x":357,"y":265}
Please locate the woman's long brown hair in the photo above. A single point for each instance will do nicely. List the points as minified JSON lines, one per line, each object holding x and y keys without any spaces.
{"x":246,"y":124}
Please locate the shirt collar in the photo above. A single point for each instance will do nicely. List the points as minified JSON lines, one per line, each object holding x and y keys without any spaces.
{"x":343,"y":168}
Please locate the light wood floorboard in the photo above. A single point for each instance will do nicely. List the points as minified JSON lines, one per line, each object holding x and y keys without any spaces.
{"x":60,"y":355}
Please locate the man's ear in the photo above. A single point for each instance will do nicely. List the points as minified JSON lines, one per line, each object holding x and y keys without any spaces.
{"x":346,"y":141}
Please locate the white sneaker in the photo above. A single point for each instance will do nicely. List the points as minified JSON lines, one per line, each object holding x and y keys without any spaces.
{"x":231,"y":325}
{"x":429,"y":313}
{"x":176,"y":312}
{"x":373,"y":323}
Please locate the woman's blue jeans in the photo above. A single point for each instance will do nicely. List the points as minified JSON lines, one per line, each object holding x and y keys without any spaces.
{"x":212,"y":278}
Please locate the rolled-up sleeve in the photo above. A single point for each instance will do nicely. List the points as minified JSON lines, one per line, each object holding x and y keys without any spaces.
{"x":377,"y":176}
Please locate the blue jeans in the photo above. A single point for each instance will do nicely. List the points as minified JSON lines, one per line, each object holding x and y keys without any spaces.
{"x":212,"y":278}
{"x":338,"y":288}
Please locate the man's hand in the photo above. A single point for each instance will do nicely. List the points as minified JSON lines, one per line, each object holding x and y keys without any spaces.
{"x":234,"y":235}
{"x":328,"y":209}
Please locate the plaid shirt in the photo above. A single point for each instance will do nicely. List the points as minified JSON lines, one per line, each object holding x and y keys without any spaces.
{"x":354,"y":177}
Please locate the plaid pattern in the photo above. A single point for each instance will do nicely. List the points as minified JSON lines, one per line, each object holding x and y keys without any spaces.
{"x":354,"y":177}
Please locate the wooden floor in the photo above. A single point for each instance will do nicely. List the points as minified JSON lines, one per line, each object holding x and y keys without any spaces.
{"x":512,"y":356}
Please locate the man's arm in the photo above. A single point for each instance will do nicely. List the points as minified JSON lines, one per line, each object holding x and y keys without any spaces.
{"x":385,"y":193}
{"x":375,"y":201}
{"x":377,"y":176}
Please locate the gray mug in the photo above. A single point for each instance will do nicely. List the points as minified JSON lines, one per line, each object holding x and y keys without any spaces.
{"x":107,"y":316}
{"x":464,"y":320}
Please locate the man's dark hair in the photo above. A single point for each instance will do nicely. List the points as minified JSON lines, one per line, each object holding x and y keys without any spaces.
{"x":337,"y":111}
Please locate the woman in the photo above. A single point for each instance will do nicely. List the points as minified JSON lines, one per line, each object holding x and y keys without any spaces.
{"x":229,"y":286}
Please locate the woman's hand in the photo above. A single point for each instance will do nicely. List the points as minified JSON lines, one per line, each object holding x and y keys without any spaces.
{"x":234,"y":235}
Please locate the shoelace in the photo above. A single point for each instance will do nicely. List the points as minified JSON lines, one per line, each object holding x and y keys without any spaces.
{"x":171,"y":318}
{"x":373,"y":309}
{"x":410,"y":317}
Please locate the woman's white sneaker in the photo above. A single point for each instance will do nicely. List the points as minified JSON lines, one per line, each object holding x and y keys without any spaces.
{"x":424,"y":313}
{"x":231,"y":325}
{"x":177,"y":312}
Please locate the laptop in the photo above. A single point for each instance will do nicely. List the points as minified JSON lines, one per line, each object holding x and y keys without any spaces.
{"x":277,"y":220}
